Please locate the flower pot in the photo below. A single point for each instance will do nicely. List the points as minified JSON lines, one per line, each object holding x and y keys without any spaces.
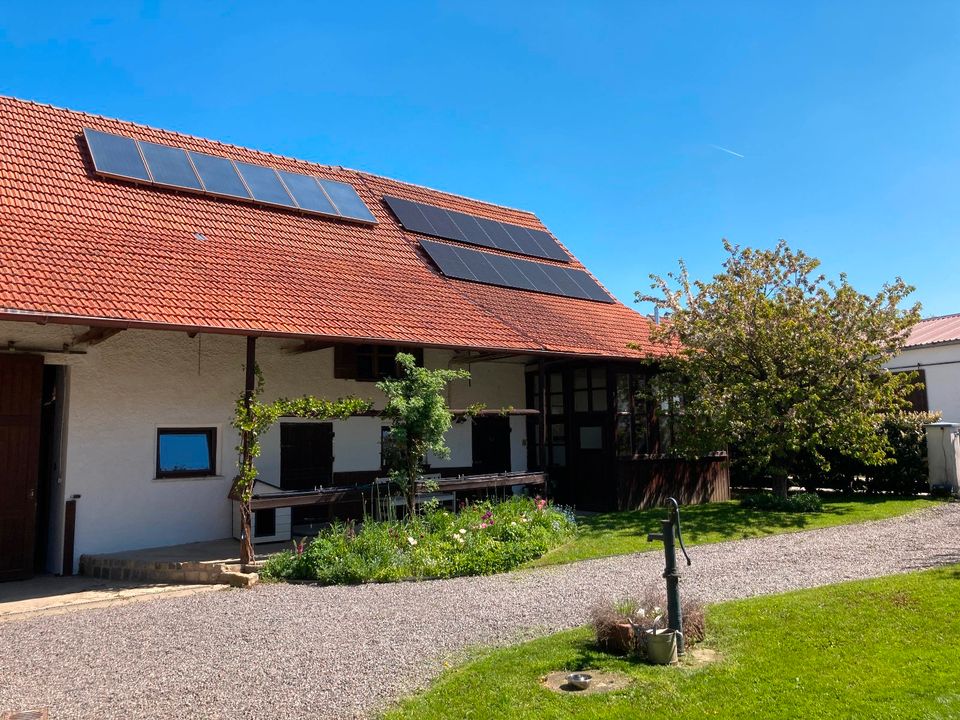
{"x":661,"y":646}
{"x":620,"y":640}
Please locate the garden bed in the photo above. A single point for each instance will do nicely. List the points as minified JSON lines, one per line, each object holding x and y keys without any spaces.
{"x":481,"y":539}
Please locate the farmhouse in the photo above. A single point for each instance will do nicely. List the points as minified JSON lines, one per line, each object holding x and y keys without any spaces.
{"x":140,"y":270}
{"x":932,"y":350}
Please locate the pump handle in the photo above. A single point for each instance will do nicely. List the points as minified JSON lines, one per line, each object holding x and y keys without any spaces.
{"x":676,"y":511}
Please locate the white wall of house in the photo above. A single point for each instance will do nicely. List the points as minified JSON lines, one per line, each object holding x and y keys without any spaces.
{"x":126,"y":387}
{"x":941,"y":364}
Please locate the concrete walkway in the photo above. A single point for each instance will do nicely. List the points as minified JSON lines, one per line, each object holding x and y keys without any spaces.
{"x":51,"y":595}
{"x":296,"y":651}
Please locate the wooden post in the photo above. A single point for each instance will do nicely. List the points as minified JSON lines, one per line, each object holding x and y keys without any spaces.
{"x":246,"y":514}
{"x":542,"y":424}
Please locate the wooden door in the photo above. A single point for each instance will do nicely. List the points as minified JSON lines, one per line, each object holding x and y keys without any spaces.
{"x":21,"y":383}
{"x":306,"y":455}
{"x":491,"y":445}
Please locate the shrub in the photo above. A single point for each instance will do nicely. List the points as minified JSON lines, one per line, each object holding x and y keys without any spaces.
{"x":483,"y":538}
{"x":799,"y":503}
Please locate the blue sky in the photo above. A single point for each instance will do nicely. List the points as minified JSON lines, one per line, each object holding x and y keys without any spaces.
{"x":602,"y":118}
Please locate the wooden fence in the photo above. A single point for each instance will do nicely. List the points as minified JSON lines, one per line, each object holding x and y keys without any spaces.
{"x":644,"y":482}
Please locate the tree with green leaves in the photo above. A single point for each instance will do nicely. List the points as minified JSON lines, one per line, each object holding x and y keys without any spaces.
{"x":420,"y":418}
{"x":780,"y":363}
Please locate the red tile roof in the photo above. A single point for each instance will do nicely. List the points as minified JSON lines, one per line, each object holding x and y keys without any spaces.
{"x":79,"y":248}
{"x":935,"y":331}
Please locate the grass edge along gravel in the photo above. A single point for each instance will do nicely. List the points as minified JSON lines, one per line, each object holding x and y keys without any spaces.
{"x":622,"y":533}
{"x":881,"y":648}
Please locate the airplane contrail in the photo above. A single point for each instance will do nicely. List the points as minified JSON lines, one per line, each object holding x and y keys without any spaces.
{"x":730,"y":152}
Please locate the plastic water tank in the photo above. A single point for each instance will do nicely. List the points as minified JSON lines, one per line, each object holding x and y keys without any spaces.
{"x":943,"y":455}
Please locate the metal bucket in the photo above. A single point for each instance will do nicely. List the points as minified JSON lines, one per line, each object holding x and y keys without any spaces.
{"x":662,"y":646}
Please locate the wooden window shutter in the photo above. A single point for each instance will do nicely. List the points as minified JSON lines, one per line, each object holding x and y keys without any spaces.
{"x":918,"y":396}
{"x":345,"y":362}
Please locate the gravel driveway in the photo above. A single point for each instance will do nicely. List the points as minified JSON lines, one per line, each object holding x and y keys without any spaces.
{"x":294,"y":651}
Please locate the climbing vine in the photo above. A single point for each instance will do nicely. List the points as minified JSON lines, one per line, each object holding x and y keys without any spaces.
{"x":252,"y":418}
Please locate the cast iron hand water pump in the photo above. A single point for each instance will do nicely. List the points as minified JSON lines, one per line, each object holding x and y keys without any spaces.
{"x":671,"y":526}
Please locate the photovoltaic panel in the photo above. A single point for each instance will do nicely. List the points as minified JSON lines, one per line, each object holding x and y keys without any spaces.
{"x":410,"y":216}
{"x":116,"y":155}
{"x":469,"y":226}
{"x":550,"y":246}
{"x":510,"y":271}
{"x":589,"y":285}
{"x":307,"y":192}
{"x":442,"y":223}
{"x":504,"y":271}
{"x":480,"y":266}
{"x":452,"y":225}
{"x":173,"y":167}
{"x":170,"y":166}
{"x":265,"y":185}
{"x":346,"y":200}
{"x":219,"y":175}
{"x":447,"y":259}
{"x":497,"y":232}
{"x":539,"y":277}
{"x":525,"y":241}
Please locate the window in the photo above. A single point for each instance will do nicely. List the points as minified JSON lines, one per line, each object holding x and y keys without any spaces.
{"x":631,"y":431}
{"x":186,"y":452}
{"x":590,"y":389}
{"x":368,"y":363}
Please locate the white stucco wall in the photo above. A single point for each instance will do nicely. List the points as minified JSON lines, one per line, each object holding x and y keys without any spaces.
{"x":123,"y":389}
{"x":941,"y":364}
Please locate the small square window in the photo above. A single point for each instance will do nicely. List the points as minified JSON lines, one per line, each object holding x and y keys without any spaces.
{"x":186,"y":452}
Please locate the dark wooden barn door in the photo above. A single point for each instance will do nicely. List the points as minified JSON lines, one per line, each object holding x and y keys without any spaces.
{"x":306,"y":455}
{"x":491,"y":445}
{"x":21,"y":383}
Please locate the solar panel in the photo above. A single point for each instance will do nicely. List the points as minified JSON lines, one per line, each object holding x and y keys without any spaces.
{"x":504,"y":271}
{"x":447,"y":259}
{"x":589,"y":285}
{"x":480,"y":266}
{"x":550,"y":246}
{"x":567,"y":284}
{"x":219,"y":175}
{"x":307,"y":192}
{"x":170,"y":166}
{"x":526,"y":242}
{"x":452,"y":225}
{"x":511,"y":272}
{"x":470,"y":227}
{"x":410,"y":216}
{"x":497,"y":232}
{"x":346,"y":200}
{"x":167,"y":166}
{"x":265,"y":185}
{"x":116,"y":155}
{"x":539,"y":277}
{"x":442,"y":223}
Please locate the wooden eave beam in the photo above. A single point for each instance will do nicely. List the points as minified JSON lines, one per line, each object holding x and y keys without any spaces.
{"x":464,"y":358}
{"x":308,"y":346}
{"x":95,"y":336}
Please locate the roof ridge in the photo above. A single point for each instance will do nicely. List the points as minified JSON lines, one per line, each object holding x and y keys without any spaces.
{"x":168,"y":131}
{"x":268,"y":153}
{"x":444,"y":192}
{"x":939,"y":317}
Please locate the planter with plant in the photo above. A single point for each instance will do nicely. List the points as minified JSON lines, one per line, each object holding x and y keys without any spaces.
{"x":640,"y":626}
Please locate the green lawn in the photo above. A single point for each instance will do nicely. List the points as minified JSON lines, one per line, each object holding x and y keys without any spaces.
{"x":879,"y":649}
{"x":626,"y":532}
